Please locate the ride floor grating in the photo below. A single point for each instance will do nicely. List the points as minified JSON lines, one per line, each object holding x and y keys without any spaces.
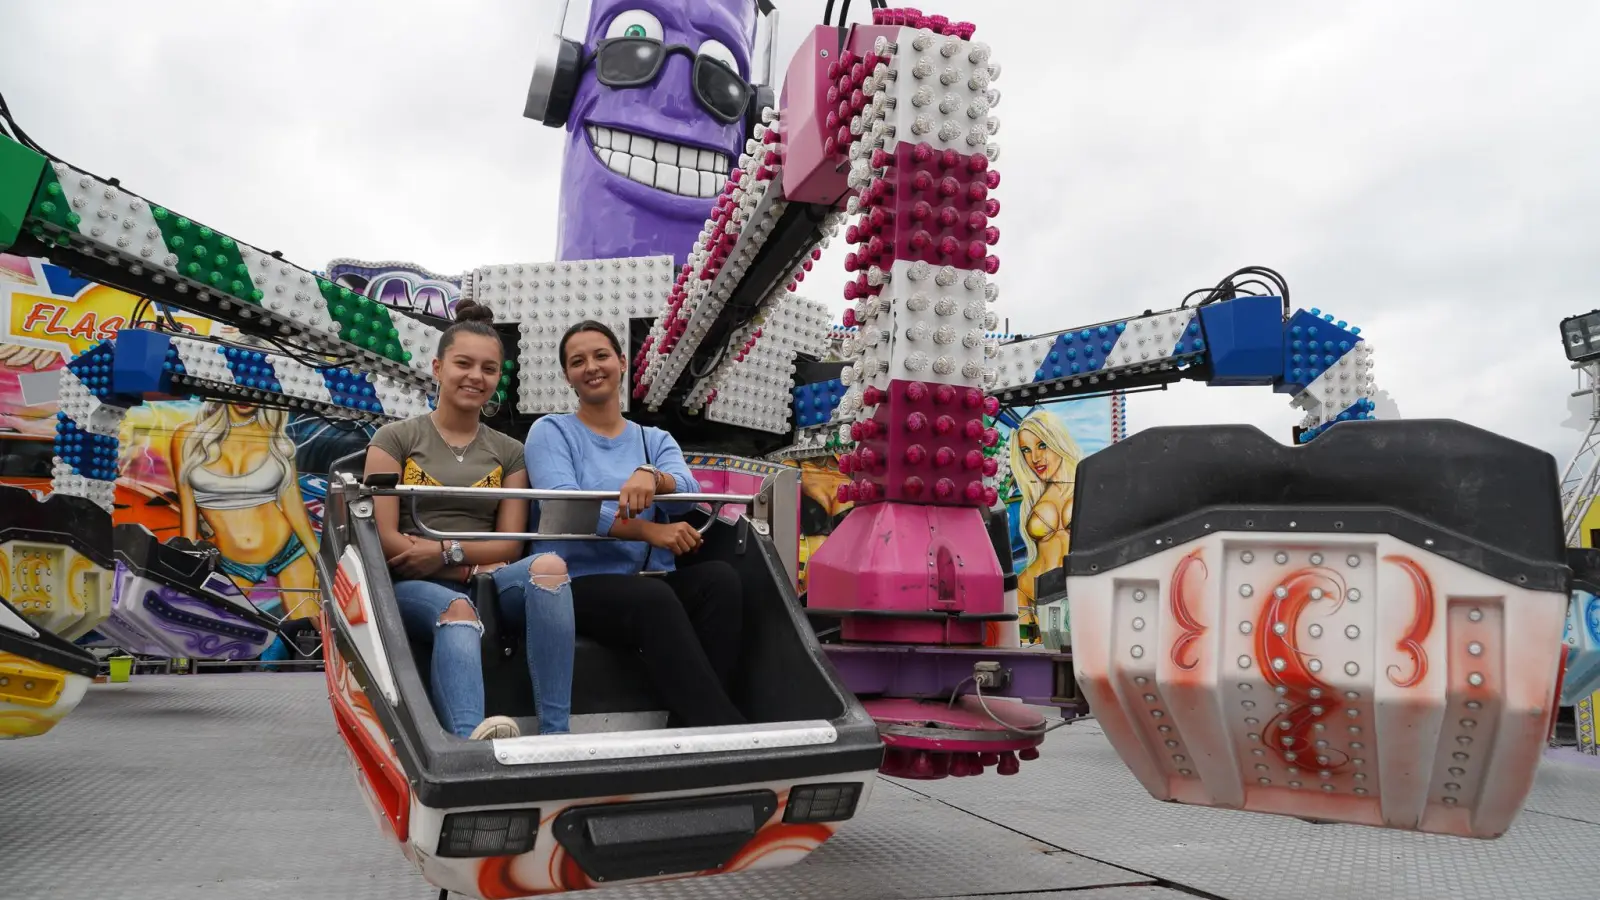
{"x":236,"y":786}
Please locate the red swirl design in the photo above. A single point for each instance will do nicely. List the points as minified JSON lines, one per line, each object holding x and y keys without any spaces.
{"x":1421,"y":623}
{"x":1192,"y":629}
{"x":1285,"y":666}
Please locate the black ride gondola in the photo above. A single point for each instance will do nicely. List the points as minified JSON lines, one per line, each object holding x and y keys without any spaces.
{"x":622,"y":798}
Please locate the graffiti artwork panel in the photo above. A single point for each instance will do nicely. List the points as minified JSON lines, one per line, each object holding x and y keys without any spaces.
{"x":247,"y":480}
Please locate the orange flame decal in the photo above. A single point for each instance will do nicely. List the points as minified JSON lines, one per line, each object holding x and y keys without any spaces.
{"x":349,"y":597}
{"x":1422,"y":592}
{"x":1192,"y":629}
{"x":1284,"y":665}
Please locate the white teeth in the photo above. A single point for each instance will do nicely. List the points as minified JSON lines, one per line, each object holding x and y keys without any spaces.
{"x":666,"y":166}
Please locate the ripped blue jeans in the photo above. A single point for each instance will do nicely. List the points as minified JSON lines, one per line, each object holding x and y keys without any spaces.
{"x":540,"y":605}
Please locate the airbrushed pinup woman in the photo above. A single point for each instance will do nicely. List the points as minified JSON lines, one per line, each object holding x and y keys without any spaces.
{"x":687,"y":622}
{"x":451,"y":446}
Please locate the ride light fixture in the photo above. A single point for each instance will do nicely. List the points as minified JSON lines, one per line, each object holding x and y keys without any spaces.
{"x":500,"y":832}
{"x":1581,"y":335}
{"x":822,"y":802}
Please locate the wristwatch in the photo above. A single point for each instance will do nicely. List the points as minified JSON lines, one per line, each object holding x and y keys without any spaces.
{"x":654,"y":472}
{"x":453,"y":554}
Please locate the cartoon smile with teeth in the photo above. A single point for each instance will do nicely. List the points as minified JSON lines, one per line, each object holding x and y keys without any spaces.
{"x":657,"y":122}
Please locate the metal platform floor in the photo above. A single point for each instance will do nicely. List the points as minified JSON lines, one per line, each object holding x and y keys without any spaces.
{"x":236,"y":786}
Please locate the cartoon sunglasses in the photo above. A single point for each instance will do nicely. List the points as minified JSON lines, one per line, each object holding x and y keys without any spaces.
{"x":629,"y":62}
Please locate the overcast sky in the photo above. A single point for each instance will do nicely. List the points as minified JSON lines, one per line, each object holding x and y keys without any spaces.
{"x":1428,"y":170}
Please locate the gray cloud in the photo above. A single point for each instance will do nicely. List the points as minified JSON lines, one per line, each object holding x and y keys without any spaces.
{"x":1424,"y":170}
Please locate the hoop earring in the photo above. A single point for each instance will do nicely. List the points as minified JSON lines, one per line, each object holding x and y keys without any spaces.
{"x":490,"y":409}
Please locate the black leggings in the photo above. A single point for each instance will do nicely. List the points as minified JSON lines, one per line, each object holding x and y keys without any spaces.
{"x":686,"y":624}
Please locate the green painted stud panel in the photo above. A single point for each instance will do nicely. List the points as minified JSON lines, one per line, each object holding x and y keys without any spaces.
{"x":20,"y":172}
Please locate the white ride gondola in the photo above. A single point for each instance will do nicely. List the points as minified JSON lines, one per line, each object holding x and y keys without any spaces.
{"x":623,"y":797}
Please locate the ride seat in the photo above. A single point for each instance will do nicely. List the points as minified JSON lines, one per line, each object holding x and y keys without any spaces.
{"x":604,"y":679}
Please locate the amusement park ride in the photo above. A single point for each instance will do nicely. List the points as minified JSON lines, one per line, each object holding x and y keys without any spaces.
{"x":1335,"y":630}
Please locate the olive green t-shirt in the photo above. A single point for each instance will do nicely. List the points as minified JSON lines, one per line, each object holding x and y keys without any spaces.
{"x":425,"y":459}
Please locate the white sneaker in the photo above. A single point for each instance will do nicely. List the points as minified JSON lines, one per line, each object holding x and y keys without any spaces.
{"x":495,"y":727}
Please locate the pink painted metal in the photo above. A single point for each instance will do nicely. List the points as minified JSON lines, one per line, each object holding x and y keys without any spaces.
{"x":815,"y":89}
{"x":924,"y":444}
{"x":908,"y":558}
{"x":937,"y":739}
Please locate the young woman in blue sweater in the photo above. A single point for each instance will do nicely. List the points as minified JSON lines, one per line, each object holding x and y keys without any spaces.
{"x":687,"y":623}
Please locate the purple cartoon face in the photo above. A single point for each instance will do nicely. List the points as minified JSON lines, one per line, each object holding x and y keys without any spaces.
{"x":656,"y":124}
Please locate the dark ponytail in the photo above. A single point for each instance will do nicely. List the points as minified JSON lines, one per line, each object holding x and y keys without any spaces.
{"x":471,"y":318}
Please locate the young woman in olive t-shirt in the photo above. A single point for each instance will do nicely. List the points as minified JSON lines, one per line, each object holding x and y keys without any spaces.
{"x":451,"y":446}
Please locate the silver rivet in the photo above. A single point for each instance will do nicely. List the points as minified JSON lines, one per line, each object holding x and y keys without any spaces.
{"x":1458,"y":756}
{"x":1252,"y":720}
{"x":1246,"y":590}
{"x":1149,"y":698}
{"x":1316,"y":593}
{"x":1475,"y":648}
{"x":1244,"y":662}
{"x":1294,"y":784}
{"x":1178,"y":757}
{"x":1352,"y":560}
{"x":1316,"y":710}
{"x":1280,"y":592}
{"x":1247,"y":557}
{"x":1475,"y":615}
{"x":1156,"y":713}
{"x":1352,"y":632}
{"x":1282,"y":706}
{"x":1475,"y":679}
{"x":1351,"y":695}
{"x":1351,"y":668}
{"x":1315,"y":665}
{"x":1245,"y":628}
{"x":1354,"y":594}
{"x":1353,"y":713}
{"x":1280,"y":628}
{"x":1281,"y":557}
{"x":1450,"y":801}
{"x":1452,"y":786}
{"x":1257,"y":751}
{"x":1361,"y":790}
{"x":1356,"y":745}
{"x":1248,"y":704}
{"x":1254,"y":737}
{"x":1291,"y":757}
{"x":1354,"y":729}
{"x":1473,"y":704}
{"x":1138,"y":596}
{"x":1457,"y":771}
{"x":1327,"y":787}
{"x":1164,"y":729}
{"x":1316,"y":693}
{"x":1315,"y":630}
{"x":1185,"y":772}
{"x":1264,"y":780}
{"x":1278,"y":665}
{"x":1464,"y":741}
{"x":1263,"y":767}
{"x":1137,"y":651}
{"x":1172,"y":743}
{"x":1138,"y":624}
{"x":1316,"y":559}
{"x":1140,"y":679}
{"x":1469,"y":723}
{"x":1246,"y":686}
{"x":1285,"y":726}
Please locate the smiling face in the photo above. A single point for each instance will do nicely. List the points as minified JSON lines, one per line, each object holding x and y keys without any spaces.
{"x":1044,"y":462}
{"x":593,"y":368}
{"x":468,"y":372}
{"x":644,"y":163}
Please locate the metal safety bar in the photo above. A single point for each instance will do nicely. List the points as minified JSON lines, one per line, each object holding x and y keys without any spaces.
{"x":413,"y":493}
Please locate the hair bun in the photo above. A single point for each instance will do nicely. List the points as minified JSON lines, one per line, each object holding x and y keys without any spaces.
{"x":472,"y":311}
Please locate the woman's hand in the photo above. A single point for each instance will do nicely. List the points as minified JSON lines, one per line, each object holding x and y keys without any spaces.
{"x":421,"y":559}
{"x":637,"y":493}
{"x":679,"y":537}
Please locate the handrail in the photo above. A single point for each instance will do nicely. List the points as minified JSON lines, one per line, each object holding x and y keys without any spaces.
{"x":533,"y":494}
{"x":414,"y":492}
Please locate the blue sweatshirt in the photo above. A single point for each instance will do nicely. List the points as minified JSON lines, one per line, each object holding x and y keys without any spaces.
{"x":564,"y":455}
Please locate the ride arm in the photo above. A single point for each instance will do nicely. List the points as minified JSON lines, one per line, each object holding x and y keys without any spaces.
{"x":105,"y":233}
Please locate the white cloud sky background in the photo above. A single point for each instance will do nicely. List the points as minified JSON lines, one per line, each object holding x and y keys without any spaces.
{"x":1427,"y":170}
